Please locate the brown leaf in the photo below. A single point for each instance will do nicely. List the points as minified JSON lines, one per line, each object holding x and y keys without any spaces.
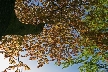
{"x":11,"y":67}
{"x":26,"y":67}
{"x":17,"y":70}
{"x":5,"y":70}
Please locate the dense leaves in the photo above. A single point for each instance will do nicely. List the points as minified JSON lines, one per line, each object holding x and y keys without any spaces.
{"x":56,"y":42}
{"x":96,"y":22}
{"x":47,"y":12}
{"x":67,"y":37}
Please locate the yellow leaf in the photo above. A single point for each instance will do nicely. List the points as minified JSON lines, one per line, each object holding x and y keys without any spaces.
{"x":86,"y":39}
{"x":11,"y":67}
{"x":11,"y":61}
{"x":17,"y":70}
{"x":26,"y":67}
{"x":5,"y":70}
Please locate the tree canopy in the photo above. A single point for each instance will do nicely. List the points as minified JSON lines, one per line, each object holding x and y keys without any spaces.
{"x":72,"y":32}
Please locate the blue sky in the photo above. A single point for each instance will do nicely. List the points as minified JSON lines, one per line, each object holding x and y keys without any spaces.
{"x":33,"y":65}
{"x":49,"y":67}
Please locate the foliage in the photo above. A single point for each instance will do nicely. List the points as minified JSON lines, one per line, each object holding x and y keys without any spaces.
{"x":57,"y":40}
{"x":96,"y":22}
{"x":48,"y":12}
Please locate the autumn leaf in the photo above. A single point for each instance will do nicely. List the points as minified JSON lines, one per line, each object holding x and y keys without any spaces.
{"x":32,"y":58}
{"x":11,"y":67}
{"x":58,"y":34}
{"x":12,"y":61}
{"x":26,"y":67}
{"x":17,"y":70}
{"x":5,"y":70}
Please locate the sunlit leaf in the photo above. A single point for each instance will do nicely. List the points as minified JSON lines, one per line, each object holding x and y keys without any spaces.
{"x":26,"y":67}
